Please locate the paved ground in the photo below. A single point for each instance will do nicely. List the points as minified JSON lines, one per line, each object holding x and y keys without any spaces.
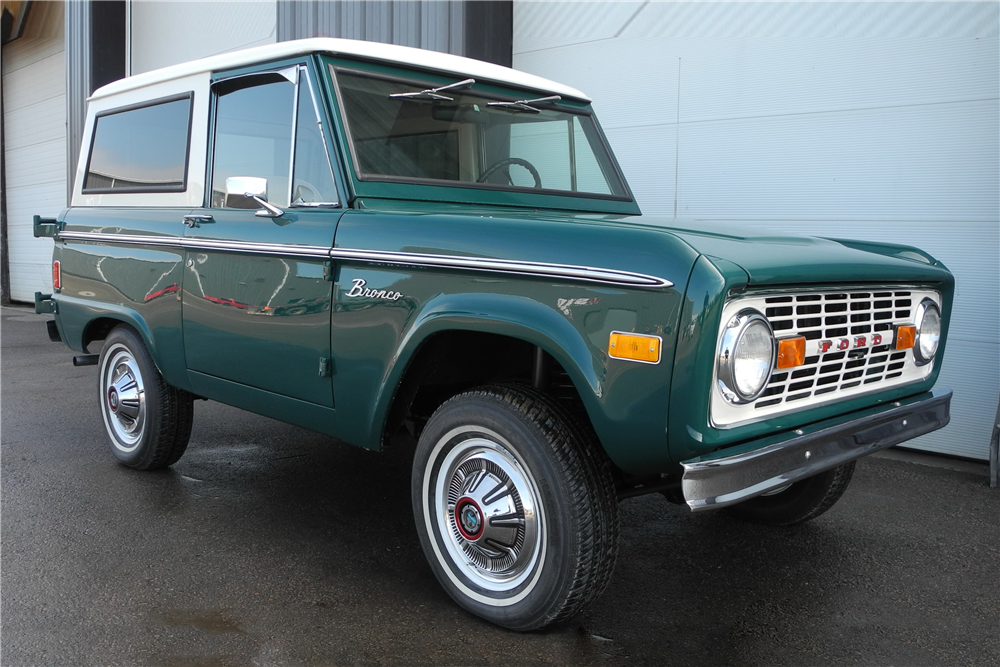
{"x":270,"y":545}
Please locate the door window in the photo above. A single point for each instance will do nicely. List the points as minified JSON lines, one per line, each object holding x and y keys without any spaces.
{"x":255,"y":131}
{"x":253,"y":137}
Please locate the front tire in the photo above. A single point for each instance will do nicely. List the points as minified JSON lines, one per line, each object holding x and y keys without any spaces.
{"x":515,"y":507}
{"x":802,"y":501}
{"x":147,"y":420}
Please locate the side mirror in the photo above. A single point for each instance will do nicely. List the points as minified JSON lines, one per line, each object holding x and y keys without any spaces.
{"x":237,"y":188}
{"x":250,"y":192}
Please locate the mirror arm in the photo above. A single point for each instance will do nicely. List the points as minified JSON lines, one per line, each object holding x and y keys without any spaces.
{"x":267,"y":210}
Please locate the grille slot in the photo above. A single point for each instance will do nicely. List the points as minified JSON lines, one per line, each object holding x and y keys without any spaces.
{"x":837,"y":374}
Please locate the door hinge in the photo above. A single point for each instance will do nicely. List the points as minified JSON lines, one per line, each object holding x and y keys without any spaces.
{"x":325,"y":367}
{"x":328,"y":271}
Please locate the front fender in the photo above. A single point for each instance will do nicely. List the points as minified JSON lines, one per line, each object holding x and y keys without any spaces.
{"x":506,"y":315}
{"x":626,"y":401}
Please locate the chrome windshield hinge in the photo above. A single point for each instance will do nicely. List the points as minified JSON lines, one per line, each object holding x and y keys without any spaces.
{"x":325,"y":367}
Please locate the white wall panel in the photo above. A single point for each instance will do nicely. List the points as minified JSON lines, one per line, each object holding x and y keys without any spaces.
{"x":547,"y":25}
{"x":766,"y":77}
{"x":642,"y":93}
{"x":34,"y":82}
{"x":970,"y":370}
{"x":167,"y":33}
{"x":801,"y":20}
{"x":636,"y":149}
{"x":876,"y":121}
{"x":916,"y":162}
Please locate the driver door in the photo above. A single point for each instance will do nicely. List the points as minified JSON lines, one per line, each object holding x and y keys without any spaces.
{"x":257,"y":295}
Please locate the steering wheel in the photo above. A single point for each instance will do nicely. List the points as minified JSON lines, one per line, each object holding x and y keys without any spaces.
{"x":507,"y":162}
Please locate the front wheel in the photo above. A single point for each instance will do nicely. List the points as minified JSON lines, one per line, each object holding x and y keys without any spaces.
{"x":148,"y":421}
{"x":515,"y":507}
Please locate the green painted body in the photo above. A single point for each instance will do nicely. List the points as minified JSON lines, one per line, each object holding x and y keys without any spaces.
{"x":254,"y":331}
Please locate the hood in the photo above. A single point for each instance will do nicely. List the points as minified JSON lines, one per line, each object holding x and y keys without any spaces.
{"x":771,"y":259}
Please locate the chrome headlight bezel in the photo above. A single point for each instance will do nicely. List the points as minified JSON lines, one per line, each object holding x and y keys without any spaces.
{"x":920,"y":358}
{"x":732,"y":333}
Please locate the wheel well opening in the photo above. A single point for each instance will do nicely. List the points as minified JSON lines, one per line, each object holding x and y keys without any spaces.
{"x":98,"y":330}
{"x":451,"y":362}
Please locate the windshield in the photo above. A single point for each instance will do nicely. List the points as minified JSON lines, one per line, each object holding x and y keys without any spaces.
{"x":403,"y":131}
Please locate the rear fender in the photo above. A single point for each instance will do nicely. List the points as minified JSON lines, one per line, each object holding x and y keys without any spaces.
{"x":77,"y":316}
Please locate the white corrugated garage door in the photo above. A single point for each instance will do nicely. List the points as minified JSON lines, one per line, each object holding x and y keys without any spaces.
{"x":872,"y":121}
{"x":34,"y":89}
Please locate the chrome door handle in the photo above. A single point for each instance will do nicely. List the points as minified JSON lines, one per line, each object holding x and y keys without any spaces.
{"x":197,"y":220}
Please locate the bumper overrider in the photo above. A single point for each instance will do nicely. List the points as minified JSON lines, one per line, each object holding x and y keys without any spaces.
{"x":731,"y":476}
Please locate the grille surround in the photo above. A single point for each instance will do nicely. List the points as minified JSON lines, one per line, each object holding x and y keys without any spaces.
{"x":827,"y":314}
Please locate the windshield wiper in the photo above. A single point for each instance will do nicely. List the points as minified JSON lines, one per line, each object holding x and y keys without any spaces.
{"x":525,"y":105}
{"x":434,"y":93}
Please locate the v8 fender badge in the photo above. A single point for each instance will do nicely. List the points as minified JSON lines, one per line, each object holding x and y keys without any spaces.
{"x":565,"y":304}
{"x":359,"y":289}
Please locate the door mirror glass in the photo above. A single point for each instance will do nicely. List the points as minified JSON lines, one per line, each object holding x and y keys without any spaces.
{"x":238,"y":187}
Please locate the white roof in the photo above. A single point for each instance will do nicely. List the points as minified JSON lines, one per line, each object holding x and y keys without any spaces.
{"x":391,"y":53}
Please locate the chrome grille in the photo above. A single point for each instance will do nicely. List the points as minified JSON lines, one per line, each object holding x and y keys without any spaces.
{"x":832,"y":315}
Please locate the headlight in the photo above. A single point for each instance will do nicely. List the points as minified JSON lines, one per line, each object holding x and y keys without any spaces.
{"x":746,"y":356}
{"x":928,"y":319}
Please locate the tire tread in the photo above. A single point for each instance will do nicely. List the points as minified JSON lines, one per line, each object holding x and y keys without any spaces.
{"x":170,"y":414}
{"x":804,"y":501}
{"x":591,"y":491}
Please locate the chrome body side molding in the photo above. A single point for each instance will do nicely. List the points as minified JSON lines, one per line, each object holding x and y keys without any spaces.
{"x":538,"y":269}
{"x":587,"y":273}
{"x":711,"y":483}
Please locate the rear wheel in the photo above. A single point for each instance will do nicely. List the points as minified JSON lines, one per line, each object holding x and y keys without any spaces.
{"x":798,"y":502}
{"x":515,"y":507}
{"x":148,"y":421}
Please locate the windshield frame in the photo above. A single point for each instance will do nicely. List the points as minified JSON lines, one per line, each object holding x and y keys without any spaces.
{"x":419,"y":80}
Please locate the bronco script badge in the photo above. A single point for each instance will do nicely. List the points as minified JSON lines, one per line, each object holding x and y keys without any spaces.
{"x":359,"y":289}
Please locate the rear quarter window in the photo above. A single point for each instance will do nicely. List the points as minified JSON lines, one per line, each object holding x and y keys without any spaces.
{"x":141,"y":148}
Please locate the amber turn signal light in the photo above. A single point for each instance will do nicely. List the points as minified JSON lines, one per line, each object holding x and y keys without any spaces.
{"x":634,"y":347}
{"x":905,"y":336}
{"x":791,"y":352}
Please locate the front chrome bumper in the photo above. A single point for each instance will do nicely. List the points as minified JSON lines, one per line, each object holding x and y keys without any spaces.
{"x":711,"y":483}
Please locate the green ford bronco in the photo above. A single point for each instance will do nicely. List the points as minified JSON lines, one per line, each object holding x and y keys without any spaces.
{"x":358,"y":238}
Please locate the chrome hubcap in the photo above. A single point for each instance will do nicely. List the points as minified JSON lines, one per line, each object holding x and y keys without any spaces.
{"x":126,"y":398}
{"x":488,"y":511}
